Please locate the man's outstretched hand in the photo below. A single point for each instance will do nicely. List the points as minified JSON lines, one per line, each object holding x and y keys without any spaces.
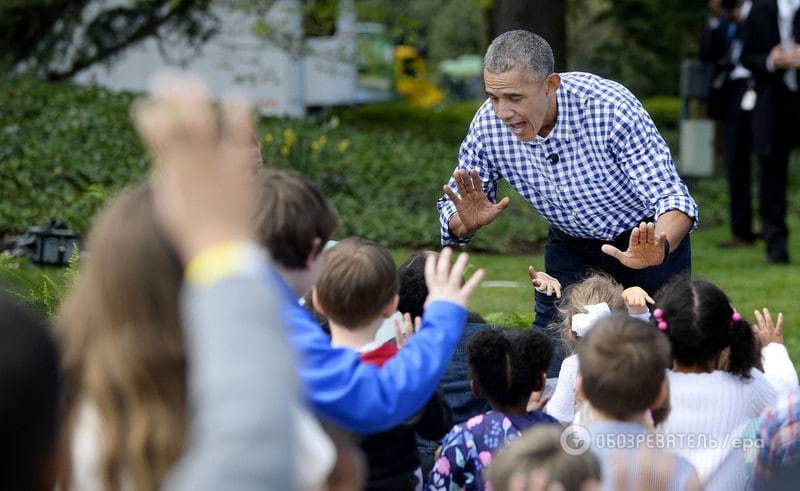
{"x":473,"y":207}
{"x":645,"y":249}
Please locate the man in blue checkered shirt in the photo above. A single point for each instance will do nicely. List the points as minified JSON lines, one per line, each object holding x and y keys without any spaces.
{"x":586,"y":155}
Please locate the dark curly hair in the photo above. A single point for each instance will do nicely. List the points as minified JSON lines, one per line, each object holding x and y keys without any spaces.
{"x":508,"y":364}
{"x":700,"y":325}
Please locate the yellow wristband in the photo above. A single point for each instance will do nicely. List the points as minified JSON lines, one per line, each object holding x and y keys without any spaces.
{"x":222,"y":260}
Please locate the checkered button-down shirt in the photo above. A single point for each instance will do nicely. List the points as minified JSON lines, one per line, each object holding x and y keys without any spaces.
{"x":602,"y":169}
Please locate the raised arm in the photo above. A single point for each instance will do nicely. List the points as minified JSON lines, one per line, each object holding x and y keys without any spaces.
{"x":240,"y":374}
{"x":470,"y":196}
{"x":645,"y":158}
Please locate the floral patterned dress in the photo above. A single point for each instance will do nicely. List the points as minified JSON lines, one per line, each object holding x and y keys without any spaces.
{"x":467,"y":450}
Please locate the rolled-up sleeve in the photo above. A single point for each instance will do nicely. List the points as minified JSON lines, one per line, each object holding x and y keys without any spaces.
{"x":644,"y":157}
{"x":471,"y":155}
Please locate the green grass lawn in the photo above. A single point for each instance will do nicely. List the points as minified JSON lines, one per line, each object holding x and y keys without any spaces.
{"x":743,"y":273}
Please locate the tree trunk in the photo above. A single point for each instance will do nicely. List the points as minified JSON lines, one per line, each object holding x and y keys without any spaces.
{"x":546,"y":18}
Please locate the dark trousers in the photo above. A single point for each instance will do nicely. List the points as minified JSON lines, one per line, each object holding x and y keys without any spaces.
{"x":772,"y":201}
{"x":737,"y":144}
{"x":571,"y":259}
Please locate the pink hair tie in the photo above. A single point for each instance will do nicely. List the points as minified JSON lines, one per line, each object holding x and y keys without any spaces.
{"x":659,"y":316}
{"x":736,"y":317}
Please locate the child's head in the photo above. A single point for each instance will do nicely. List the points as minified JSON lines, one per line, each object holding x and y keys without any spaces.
{"x":597,"y":288}
{"x":506,"y":365}
{"x":540,"y":449}
{"x":359,"y":283}
{"x":413,"y":290}
{"x":122,"y":341}
{"x":29,"y":396}
{"x":294,"y":218}
{"x":699,"y":320}
{"x":623,"y":363}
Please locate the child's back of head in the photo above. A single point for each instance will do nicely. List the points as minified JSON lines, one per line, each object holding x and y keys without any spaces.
{"x":540,"y":449}
{"x":623,"y":363}
{"x":700,"y":322}
{"x":508,"y":365}
{"x":358,"y":282}
{"x":292,"y":214}
{"x":29,"y":397}
{"x":597,"y":288}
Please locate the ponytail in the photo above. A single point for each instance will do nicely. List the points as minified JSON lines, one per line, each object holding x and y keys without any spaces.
{"x":744,"y":349}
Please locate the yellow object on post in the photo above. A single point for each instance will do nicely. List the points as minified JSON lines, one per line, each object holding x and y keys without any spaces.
{"x":411,"y":78}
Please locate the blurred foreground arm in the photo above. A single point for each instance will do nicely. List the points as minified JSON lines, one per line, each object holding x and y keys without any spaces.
{"x":240,"y":432}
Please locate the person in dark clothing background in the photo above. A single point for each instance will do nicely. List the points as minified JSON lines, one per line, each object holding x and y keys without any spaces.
{"x":731,"y":102}
{"x":771,"y":52}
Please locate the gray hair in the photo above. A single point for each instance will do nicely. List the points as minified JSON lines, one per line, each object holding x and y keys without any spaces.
{"x":522,"y":49}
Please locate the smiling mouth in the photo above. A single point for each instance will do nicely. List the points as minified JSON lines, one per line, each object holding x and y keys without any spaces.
{"x":517,"y":128}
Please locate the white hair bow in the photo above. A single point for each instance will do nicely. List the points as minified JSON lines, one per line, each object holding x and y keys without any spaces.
{"x":583,"y":323}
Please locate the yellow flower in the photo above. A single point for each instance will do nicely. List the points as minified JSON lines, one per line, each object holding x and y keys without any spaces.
{"x":318,"y":145}
{"x":284,"y":150}
{"x":344,"y":145}
{"x":268,"y":138}
{"x":289,"y":137}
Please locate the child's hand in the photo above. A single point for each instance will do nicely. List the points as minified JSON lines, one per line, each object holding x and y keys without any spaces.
{"x":544,"y":283}
{"x":203,"y":190}
{"x":636,"y":300}
{"x":764,"y":329}
{"x":403,"y":329}
{"x":446,"y":282}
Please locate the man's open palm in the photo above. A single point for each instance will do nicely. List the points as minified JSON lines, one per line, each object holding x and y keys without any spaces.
{"x":474,"y":209}
{"x":644,"y":248}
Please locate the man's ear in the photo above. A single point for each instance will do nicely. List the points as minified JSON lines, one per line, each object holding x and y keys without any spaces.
{"x":553,"y":82}
{"x":391,"y":307}
{"x":313,"y":253}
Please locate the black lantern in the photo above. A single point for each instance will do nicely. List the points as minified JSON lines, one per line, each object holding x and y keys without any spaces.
{"x":51,"y":245}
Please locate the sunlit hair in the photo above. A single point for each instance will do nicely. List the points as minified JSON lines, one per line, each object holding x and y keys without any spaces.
{"x":123,"y":349}
{"x":597,"y":288}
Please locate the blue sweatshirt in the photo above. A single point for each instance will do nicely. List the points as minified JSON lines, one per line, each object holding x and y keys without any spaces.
{"x":361,"y":397}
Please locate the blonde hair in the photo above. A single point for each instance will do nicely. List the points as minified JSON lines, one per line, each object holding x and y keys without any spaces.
{"x":597,"y":288}
{"x":122,"y":344}
{"x":540,"y":448}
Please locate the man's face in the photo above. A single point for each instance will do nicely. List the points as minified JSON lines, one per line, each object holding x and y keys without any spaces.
{"x":520,"y":103}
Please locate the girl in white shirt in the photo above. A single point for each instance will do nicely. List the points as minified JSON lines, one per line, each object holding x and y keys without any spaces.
{"x":583,"y":304}
{"x":711,"y":407}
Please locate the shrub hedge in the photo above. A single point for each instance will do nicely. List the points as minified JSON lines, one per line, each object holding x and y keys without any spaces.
{"x":65,"y":149}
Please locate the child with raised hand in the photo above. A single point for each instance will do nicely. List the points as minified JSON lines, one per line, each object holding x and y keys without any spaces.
{"x":505,"y":368}
{"x":700,"y":322}
{"x":583,"y":305}
{"x":775,"y":361}
{"x":357,"y":292}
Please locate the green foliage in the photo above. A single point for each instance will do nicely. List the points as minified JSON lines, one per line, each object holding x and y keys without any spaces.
{"x":41,"y":289}
{"x":63,"y":151}
{"x":443,"y":29}
{"x":665,"y":111}
{"x":639,"y":43}
{"x":446,"y":124}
